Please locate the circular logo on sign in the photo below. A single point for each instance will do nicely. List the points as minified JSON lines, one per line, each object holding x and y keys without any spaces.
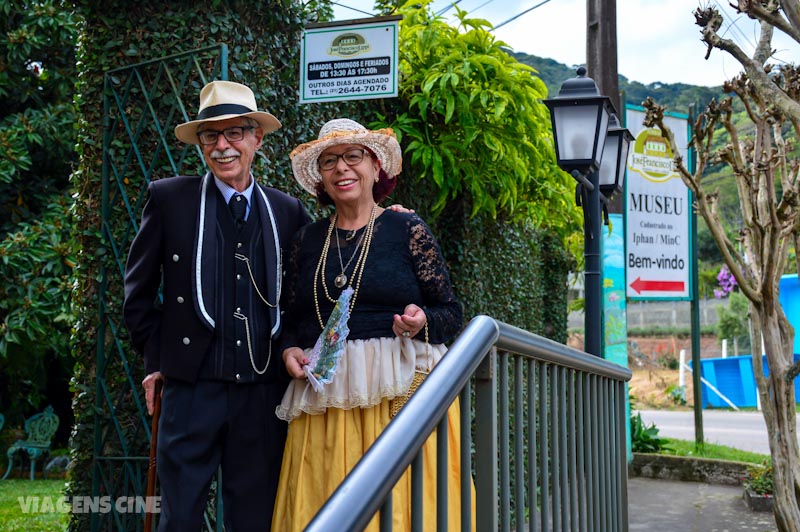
{"x":652,"y":156}
{"x":348,"y":44}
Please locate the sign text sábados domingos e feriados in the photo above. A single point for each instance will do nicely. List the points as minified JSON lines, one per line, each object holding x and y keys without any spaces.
{"x":658,"y":214}
{"x":352,"y":60}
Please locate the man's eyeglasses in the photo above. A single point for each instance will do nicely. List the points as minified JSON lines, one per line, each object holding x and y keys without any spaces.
{"x":232,"y":134}
{"x":350,"y":157}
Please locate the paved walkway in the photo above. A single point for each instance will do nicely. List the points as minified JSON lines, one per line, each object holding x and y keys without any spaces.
{"x":672,"y":506}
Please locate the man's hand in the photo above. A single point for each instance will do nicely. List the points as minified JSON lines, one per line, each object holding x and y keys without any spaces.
{"x":396,"y":207}
{"x":149,"y":385}
{"x":295,"y":359}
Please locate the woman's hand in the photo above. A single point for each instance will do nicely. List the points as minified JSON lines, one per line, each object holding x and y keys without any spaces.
{"x":294,"y":359}
{"x":410,"y":323}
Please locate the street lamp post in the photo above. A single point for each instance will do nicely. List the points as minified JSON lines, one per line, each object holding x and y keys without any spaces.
{"x":587,"y":134}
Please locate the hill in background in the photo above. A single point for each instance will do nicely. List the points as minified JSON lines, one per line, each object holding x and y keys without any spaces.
{"x":676,"y":96}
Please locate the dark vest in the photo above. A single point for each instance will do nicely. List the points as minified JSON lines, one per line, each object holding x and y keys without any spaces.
{"x":242,"y":318}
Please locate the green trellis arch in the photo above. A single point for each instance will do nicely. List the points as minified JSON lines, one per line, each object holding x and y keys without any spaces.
{"x":142,"y":105}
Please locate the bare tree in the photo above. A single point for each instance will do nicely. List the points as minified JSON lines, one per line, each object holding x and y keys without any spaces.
{"x":767,"y":182}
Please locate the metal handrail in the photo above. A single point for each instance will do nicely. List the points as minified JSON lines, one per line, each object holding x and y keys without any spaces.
{"x":364,"y":490}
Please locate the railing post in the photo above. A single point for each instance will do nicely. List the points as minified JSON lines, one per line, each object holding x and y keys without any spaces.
{"x":486,"y":444}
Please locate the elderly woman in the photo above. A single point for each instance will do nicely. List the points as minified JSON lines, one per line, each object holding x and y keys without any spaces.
{"x":401,"y":311}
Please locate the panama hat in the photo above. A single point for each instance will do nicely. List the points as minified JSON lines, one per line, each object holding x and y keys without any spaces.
{"x":221,"y":100}
{"x":382,"y":142}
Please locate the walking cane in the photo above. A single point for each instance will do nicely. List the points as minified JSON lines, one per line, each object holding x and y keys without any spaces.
{"x":151,"y":468}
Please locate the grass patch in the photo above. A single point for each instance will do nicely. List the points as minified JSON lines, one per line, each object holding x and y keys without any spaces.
{"x":711,"y":450}
{"x":12,"y":514}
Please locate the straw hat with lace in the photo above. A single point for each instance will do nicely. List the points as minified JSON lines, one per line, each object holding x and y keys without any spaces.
{"x":382,"y":142}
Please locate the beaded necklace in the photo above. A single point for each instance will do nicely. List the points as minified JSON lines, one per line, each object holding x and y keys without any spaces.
{"x":358,"y":269}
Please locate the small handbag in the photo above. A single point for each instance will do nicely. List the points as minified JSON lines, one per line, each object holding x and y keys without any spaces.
{"x":419,"y":376}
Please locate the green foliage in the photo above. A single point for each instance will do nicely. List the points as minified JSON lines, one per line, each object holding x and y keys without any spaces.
{"x":676,"y":393}
{"x":759,"y":478}
{"x":37,"y":66}
{"x":37,"y":150}
{"x":38,"y":263}
{"x":733,"y":320}
{"x":475,"y":125}
{"x":707,"y":275}
{"x":645,"y":439}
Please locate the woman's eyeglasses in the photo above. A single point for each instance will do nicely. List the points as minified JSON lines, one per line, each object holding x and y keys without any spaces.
{"x":350,"y":157}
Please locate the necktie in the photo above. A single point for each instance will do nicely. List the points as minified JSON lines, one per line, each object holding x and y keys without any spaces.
{"x":238,"y":206}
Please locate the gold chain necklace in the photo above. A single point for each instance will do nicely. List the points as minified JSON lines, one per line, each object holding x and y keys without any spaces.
{"x":358,"y":269}
{"x":341,"y":279}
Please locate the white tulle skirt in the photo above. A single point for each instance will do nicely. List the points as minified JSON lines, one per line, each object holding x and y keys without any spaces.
{"x":368,"y":372}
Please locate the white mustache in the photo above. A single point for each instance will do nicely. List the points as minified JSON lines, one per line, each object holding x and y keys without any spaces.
{"x":228,"y":152}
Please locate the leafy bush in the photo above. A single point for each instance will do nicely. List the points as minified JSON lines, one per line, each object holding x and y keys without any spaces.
{"x":677,"y":394}
{"x":733,"y":320}
{"x":645,"y":439}
{"x":475,"y":125}
{"x":759,"y":478}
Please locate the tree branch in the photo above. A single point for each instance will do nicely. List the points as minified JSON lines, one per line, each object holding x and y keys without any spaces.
{"x":791,"y":8}
{"x":772,"y":16}
{"x":710,"y":21}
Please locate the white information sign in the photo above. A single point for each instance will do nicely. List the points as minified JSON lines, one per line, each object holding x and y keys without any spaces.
{"x":349,"y":61}
{"x":658,"y":209}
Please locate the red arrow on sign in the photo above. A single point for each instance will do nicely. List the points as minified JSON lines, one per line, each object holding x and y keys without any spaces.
{"x":656,"y":286}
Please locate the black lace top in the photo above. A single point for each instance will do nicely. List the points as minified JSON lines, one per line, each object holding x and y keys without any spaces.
{"x":404,"y":265}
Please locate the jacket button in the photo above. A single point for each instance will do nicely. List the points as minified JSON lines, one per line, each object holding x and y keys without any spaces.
{"x":238,"y":244}
{"x":180,"y":299}
{"x":175,"y":258}
{"x":238,"y":343}
{"x":238,"y":377}
{"x":186,"y":340}
{"x":238,"y":310}
{"x":238,"y":276}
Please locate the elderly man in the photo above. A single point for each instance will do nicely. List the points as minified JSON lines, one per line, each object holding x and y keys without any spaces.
{"x":214,"y":245}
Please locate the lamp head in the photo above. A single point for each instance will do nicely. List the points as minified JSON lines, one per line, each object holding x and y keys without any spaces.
{"x":579,"y":115}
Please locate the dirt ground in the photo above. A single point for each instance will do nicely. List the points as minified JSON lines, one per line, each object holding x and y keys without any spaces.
{"x":654,"y":364}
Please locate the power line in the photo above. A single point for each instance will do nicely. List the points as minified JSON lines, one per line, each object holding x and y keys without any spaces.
{"x":445,"y":10}
{"x":732,"y":26}
{"x":520,"y":14}
{"x":480,"y":6}
{"x":353,"y":9}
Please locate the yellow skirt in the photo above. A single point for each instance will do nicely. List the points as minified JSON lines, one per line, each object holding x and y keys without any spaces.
{"x":322,"y":449}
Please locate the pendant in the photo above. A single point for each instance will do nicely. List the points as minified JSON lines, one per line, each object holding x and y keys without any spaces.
{"x":340,"y":281}
{"x":350,"y":235}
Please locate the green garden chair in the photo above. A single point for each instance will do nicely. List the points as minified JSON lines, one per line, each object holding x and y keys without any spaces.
{"x":39,"y":429}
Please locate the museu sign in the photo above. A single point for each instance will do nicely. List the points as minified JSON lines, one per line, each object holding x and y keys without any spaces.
{"x":658,"y":213}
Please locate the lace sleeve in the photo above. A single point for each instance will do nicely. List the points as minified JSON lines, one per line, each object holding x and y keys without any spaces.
{"x":444,"y":313}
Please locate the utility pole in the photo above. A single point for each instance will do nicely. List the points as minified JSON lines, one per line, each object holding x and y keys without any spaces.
{"x":601,"y":48}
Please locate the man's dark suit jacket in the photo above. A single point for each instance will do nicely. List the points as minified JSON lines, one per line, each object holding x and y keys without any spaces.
{"x":177,"y":239}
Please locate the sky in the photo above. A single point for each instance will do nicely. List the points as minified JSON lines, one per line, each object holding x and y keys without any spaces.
{"x":657,"y":40}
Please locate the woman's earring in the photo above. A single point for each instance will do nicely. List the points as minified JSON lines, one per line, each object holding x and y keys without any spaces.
{"x":377,"y":179}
